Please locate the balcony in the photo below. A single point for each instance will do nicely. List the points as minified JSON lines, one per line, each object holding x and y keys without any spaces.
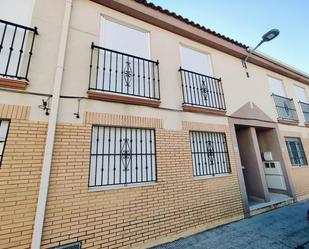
{"x":16,"y":46}
{"x":120,"y":77}
{"x":285,"y":108}
{"x":202,"y":93}
{"x":305,"y":109}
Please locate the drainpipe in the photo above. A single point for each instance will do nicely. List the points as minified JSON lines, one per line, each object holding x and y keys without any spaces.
{"x":51,"y":130}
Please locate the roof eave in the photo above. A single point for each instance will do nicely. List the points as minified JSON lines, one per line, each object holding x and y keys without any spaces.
{"x":192,"y":32}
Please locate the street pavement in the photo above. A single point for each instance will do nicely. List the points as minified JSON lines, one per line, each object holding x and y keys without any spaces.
{"x":282,"y":228}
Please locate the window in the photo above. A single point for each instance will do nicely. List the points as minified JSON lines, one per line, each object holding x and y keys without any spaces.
{"x":285,"y":106}
{"x":296,"y":151}
{"x":195,"y":61}
{"x":198,"y":86}
{"x":301,"y":94}
{"x":276,"y":86}
{"x":121,"y":156}
{"x":121,"y":64}
{"x":4,"y":127}
{"x":209,"y":153}
{"x":124,"y":38}
{"x":303,"y":101}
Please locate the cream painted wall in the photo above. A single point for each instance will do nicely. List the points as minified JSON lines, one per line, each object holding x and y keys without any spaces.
{"x":47,"y":16}
{"x":164,"y":46}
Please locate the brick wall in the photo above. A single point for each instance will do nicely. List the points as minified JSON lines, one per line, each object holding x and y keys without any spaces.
{"x":19,"y":176}
{"x":132,"y":217}
{"x":299,"y":175}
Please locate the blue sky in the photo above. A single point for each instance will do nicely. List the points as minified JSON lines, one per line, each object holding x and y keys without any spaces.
{"x":247,"y":20}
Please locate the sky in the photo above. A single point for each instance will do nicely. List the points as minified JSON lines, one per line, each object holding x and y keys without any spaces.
{"x":247,"y":20}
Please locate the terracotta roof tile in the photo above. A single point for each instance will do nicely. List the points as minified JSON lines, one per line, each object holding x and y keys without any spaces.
{"x":187,"y":21}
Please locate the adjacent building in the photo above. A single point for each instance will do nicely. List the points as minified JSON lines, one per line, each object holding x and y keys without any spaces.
{"x":124,"y":125}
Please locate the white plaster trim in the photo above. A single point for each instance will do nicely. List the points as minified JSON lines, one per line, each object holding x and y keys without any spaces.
{"x":121,"y":186}
{"x":211,"y":177}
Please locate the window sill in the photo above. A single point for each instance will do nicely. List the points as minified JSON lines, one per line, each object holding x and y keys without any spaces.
{"x":288,"y":122}
{"x":13,"y":84}
{"x":123,"y":99}
{"x":190,"y":108}
{"x":211,"y":177}
{"x":300,"y":167}
{"x":121,"y":186}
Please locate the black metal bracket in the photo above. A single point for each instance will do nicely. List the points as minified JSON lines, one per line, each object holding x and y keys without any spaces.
{"x":45,"y":106}
{"x":76,"y":114}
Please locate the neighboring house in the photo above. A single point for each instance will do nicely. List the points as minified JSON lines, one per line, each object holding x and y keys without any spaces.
{"x":123,"y":125}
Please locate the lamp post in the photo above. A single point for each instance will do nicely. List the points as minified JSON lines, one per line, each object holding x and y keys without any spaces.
{"x":271,"y":34}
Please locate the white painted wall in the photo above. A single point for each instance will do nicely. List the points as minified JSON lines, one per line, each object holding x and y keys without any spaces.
{"x":17,"y":11}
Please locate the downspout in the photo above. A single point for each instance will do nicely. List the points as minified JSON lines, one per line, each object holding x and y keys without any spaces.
{"x":51,"y":130}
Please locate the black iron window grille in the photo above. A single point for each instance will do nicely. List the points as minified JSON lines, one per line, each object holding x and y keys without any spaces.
{"x":16,"y":46}
{"x":121,"y":156}
{"x":4,"y":128}
{"x":209,"y":153}
{"x":120,"y":73}
{"x":296,"y":151}
{"x":305,"y":109}
{"x":285,"y":108}
{"x":202,"y":90}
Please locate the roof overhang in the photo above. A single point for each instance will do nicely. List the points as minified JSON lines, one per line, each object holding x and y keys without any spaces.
{"x":192,"y":32}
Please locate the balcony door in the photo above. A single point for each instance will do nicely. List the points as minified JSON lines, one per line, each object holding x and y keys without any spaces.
{"x":124,"y":67}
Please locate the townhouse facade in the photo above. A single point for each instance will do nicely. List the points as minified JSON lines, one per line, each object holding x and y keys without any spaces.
{"x":123,"y":125}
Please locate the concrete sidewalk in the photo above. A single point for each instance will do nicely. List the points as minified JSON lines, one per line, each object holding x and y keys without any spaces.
{"x":282,"y":228}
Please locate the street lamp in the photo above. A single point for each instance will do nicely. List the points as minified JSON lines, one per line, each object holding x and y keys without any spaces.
{"x":271,"y":34}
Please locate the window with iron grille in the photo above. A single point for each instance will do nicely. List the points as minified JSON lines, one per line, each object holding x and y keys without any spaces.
{"x":4,"y":127}
{"x":209,"y":153}
{"x":121,"y":156}
{"x":296,"y":151}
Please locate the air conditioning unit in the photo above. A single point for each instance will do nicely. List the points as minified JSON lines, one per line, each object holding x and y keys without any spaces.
{"x":267,"y":156}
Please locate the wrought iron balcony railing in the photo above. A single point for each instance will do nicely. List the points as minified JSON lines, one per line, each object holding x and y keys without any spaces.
{"x":305,"y":109}
{"x":120,"y":73}
{"x":285,"y":108}
{"x":202,"y":90}
{"x":16,"y":46}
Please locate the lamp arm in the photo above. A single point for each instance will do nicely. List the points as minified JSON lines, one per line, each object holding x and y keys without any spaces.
{"x":251,"y":51}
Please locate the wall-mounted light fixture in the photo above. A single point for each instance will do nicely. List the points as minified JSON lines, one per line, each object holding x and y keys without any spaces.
{"x":76,"y":114}
{"x":45,"y":106}
{"x":271,"y":34}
